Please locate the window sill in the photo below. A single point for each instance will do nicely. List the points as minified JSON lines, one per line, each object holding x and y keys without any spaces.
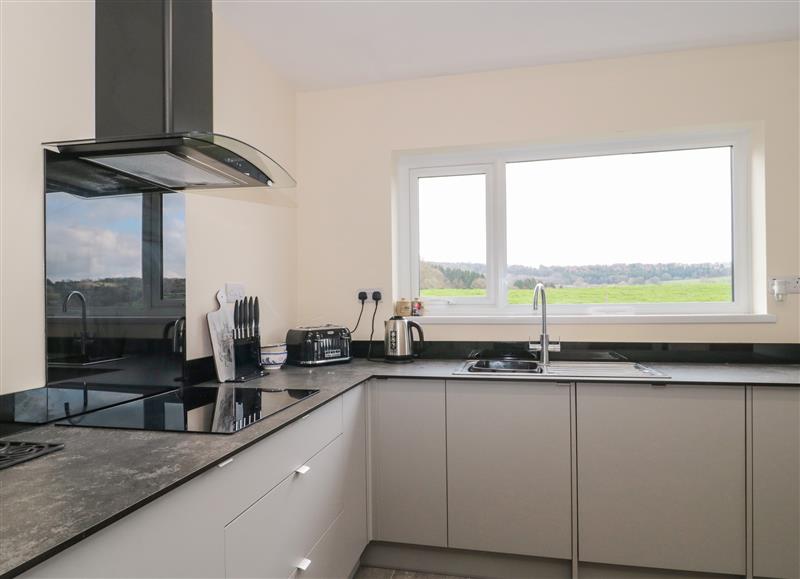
{"x":652,"y":319}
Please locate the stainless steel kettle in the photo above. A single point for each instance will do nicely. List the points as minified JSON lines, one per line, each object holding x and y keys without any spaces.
{"x":398,"y":341}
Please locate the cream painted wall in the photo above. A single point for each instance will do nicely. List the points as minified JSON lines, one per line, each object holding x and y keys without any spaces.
{"x":49,"y":95}
{"x":346,"y":140}
{"x":46,"y":96}
{"x":246,"y":236}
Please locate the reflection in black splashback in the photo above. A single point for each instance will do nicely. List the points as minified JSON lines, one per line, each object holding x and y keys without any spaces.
{"x":22,"y":410}
{"x":115,"y":286}
{"x":204,"y":409}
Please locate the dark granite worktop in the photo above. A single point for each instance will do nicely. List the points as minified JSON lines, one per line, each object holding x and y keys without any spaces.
{"x":52,"y":502}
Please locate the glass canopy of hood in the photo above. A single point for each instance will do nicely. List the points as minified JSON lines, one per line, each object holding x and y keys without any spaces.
{"x":170,"y":162}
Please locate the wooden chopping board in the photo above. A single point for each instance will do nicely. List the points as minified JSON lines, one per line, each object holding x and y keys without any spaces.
{"x":220,"y":326}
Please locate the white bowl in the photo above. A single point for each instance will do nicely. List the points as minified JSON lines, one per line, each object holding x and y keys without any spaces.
{"x":274,"y":356}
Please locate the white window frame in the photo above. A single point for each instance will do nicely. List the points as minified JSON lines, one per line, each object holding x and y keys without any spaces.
{"x":493,"y":162}
{"x":488,"y":170}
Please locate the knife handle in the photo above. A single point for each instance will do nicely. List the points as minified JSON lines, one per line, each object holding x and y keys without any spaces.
{"x":235,"y":319}
{"x":244,"y":317}
{"x":239,"y":320}
{"x":251,"y":321}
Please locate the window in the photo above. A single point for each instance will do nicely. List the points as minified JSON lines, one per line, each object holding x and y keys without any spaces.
{"x":453,"y":260}
{"x":655,"y":226}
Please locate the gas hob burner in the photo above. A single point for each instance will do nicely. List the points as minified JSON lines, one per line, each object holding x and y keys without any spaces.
{"x":12,"y":452}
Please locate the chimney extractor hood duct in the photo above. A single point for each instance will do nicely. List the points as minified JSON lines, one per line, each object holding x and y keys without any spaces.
{"x":154,"y":84}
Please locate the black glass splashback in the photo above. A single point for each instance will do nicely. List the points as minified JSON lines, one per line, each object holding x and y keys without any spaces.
{"x":664,"y":352}
{"x":115,"y":284}
{"x":210,"y":410}
{"x":22,"y":410}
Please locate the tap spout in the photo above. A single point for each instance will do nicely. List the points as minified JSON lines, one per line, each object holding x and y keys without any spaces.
{"x":543,"y":346}
{"x":84,"y":323}
{"x":539,"y":290}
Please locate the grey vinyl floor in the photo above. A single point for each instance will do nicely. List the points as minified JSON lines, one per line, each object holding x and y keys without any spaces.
{"x":377,"y":573}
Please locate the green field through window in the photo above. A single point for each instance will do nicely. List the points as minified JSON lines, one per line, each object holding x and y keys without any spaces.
{"x":687,"y":291}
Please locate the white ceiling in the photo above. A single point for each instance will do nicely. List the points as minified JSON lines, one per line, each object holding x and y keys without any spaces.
{"x":342,"y":43}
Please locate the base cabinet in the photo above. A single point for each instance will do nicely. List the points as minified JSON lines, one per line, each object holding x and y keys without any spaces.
{"x":218,"y":525}
{"x":486,"y":469}
{"x":274,"y":536}
{"x":776,"y":482}
{"x":509,"y":474}
{"x":409,"y":472}
{"x":349,"y":536}
{"x":338,"y":551}
{"x":177,"y":535}
{"x":661,"y":476}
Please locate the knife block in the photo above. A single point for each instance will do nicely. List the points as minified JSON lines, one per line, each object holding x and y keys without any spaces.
{"x":247,"y":359}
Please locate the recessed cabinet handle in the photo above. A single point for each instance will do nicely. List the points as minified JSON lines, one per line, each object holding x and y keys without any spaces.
{"x":303,"y":470}
{"x":304,"y":564}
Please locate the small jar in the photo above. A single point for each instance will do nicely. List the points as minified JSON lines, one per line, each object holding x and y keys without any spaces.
{"x":403,"y":307}
{"x":417,"y":307}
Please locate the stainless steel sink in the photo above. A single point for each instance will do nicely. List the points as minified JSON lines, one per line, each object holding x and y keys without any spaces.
{"x":558,"y":369}
{"x":515,"y":366}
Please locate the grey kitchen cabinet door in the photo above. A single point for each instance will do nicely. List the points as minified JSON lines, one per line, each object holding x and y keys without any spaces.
{"x":407,"y":450}
{"x":661,"y":476}
{"x":776,"y":482}
{"x":509,"y":469}
{"x":355,"y":506}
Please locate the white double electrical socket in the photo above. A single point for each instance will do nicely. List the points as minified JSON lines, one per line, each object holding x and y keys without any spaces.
{"x":234,"y":291}
{"x":780,"y":286}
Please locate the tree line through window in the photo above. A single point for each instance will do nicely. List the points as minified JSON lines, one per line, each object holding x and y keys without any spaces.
{"x":595,"y":284}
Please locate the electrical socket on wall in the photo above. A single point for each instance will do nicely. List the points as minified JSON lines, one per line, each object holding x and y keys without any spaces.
{"x":234,"y":291}
{"x":780,"y":286}
{"x":369,"y":291}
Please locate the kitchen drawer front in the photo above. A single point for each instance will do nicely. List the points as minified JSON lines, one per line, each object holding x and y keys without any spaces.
{"x":271,"y":537}
{"x":330,"y":558}
{"x":256,"y":470}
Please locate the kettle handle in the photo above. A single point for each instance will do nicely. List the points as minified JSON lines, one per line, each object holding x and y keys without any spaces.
{"x":421,"y":337}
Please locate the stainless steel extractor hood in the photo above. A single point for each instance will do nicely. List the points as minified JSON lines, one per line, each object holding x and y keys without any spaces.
{"x":170,"y":162}
{"x":154,"y":82}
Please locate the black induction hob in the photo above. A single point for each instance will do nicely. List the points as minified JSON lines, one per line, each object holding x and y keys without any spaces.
{"x":203,"y":409}
{"x":23,"y":410}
